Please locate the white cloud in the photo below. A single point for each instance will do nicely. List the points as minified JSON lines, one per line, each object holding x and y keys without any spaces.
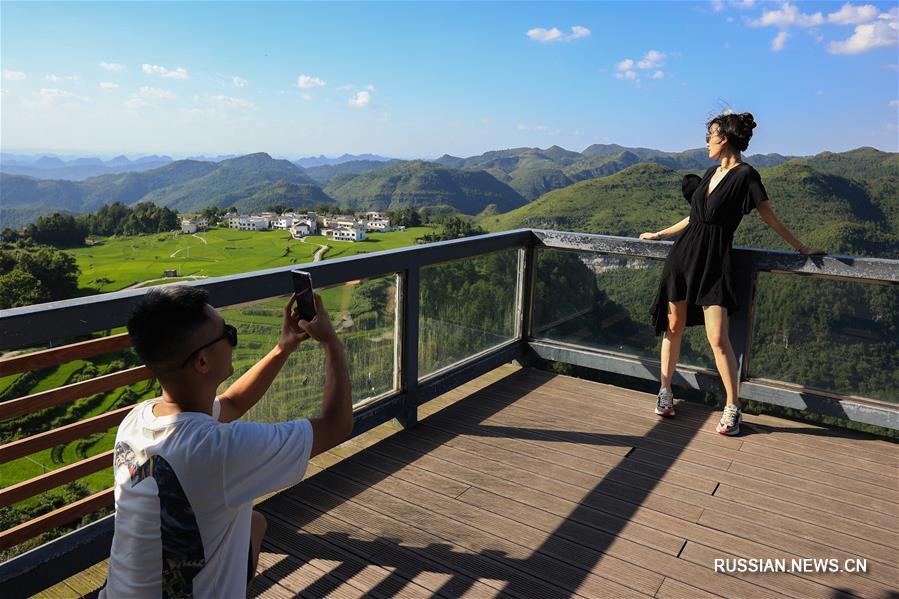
{"x":625,"y":64}
{"x":632,"y":75}
{"x":346,"y":88}
{"x":361,"y":99}
{"x":882,"y":33}
{"x":152,"y":69}
{"x":819,"y":93}
{"x":306,"y":97}
{"x":741,"y":4}
{"x":229,"y":101}
{"x":521,"y":126}
{"x":778,"y":43}
{"x":51,"y":95}
{"x":717,"y":5}
{"x":135,"y":103}
{"x":894,"y":103}
{"x":652,"y":59}
{"x":539,"y":34}
{"x":787,"y":16}
{"x":13,"y":75}
{"x":239,"y":81}
{"x":57,"y":78}
{"x":112,"y":66}
{"x":306,"y":82}
{"x":154,"y":92}
{"x":851,"y":14}
{"x":658,"y":75}
{"x":108,"y":85}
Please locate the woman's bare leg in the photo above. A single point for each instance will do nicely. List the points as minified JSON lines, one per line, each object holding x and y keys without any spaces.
{"x":677,"y":321}
{"x":716,"y":328}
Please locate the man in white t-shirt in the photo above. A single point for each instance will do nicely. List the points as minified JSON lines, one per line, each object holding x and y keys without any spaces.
{"x":187,"y":471}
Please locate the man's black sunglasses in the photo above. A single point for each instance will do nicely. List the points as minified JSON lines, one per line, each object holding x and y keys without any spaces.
{"x":230,"y":334}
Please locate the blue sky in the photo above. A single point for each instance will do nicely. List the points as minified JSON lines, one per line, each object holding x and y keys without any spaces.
{"x":423,"y":79}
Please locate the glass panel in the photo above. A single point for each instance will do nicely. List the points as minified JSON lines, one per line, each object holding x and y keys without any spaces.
{"x":603,"y":301}
{"x":364,"y":314}
{"x":466,"y":306}
{"x":836,"y":336}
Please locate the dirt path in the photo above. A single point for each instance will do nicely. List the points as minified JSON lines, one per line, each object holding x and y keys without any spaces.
{"x":203,"y":239}
{"x":143,"y":283}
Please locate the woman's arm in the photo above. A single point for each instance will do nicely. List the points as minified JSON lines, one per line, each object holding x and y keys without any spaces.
{"x":769,"y":217}
{"x":672,"y":230}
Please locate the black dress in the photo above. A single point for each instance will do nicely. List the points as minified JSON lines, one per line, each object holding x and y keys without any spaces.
{"x":698,"y":266}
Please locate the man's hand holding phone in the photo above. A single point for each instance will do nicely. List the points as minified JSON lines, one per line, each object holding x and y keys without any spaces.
{"x":320,"y":327}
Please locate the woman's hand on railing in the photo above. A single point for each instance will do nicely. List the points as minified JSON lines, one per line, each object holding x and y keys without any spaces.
{"x":650,"y":236}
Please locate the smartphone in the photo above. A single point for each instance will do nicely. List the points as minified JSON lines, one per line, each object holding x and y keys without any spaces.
{"x":302,"y":287}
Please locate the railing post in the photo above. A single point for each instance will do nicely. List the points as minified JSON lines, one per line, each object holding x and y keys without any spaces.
{"x":740,"y":331}
{"x":527,"y":268}
{"x":410,"y":302}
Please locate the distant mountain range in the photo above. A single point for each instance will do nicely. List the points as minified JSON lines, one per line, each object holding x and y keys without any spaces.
{"x":503,"y":186}
{"x":75,"y":169}
{"x":323,"y":160}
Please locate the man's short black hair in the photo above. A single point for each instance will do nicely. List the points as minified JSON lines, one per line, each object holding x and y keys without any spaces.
{"x":163,"y":322}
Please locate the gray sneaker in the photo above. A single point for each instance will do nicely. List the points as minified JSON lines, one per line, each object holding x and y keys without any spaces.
{"x":665,"y":404}
{"x":730,"y":421}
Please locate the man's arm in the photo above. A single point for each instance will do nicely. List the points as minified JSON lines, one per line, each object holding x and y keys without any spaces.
{"x":252,"y":385}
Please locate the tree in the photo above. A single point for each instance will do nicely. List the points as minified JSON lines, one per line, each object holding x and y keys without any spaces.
{"x":35,"y":276}
{"x":60,"y":230}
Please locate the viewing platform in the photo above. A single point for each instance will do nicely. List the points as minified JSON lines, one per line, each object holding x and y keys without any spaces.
{"x":475,"y":470}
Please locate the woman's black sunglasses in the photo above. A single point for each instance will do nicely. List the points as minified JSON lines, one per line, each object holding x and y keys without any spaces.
{"x":230,"y":334}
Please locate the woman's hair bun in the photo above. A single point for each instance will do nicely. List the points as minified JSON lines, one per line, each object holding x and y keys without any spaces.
{"x":748,"y":120}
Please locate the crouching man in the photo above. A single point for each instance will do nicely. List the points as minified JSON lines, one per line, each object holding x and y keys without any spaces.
{"x":187,"y":471}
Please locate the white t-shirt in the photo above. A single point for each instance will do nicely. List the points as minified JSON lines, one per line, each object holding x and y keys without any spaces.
{"x":184,"y":486}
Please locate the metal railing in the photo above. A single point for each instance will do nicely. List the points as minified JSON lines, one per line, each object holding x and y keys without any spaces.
{"x":39,"y":325}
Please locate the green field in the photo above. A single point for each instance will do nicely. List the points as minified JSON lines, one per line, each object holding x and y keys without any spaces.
{"x":119,"y":262}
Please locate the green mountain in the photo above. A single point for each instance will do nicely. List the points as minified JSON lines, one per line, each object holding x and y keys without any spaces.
{"x":324,"y":173}
{"x":837,"y":213}
{"x":185,"y":185}
{"x":534,"y":171}
{"x":418,"y":183}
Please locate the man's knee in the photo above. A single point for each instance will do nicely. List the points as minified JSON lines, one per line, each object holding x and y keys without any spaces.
{"x":258,"y":525}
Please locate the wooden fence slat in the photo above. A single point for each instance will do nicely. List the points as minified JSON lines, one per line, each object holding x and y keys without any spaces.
{"x":49,"y":521}
{"x":52,"y":397}
{"x":66,"y":353}
{"x":63,"y":434}
{"x":51,"y":480}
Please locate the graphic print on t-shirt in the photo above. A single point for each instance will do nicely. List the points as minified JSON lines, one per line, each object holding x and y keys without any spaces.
{"x":182,"y":547}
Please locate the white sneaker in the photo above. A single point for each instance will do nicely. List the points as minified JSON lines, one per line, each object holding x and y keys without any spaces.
{"x":665,"y":404}
{"x":730,"y":421}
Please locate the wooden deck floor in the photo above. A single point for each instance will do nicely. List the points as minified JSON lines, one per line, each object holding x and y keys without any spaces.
{"x":537,"y":485}
{"x":529,"y":484}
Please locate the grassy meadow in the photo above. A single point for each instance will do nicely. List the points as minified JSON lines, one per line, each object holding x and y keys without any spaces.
{"x":119,"y":262}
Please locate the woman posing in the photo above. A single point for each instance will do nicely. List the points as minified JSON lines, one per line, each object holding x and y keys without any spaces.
{"x":697,"y":283}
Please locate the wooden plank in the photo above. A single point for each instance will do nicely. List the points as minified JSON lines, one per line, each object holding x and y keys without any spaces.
{"x":760,"y":468}
{"x":53,"y":397}
{"x":557,"y":571}
{"x":744,"y":500}
{"x":615,"y":562}
{"x":672,"y":589}
{"x":65,"y":353}
{"x":345,"y":519}
{"x":64,"y":515}
{"x":613,"y":522}
{"x":50,"y":480}
{"x":63,"y":434}
{"x":809,"y":436}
